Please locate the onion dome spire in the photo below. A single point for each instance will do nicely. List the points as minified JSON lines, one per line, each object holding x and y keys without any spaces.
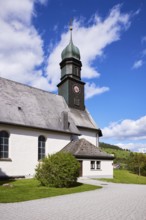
{"x":71,"y":51}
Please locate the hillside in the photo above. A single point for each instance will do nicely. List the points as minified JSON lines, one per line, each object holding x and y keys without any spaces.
{"x":121,"y":155}
{"x":125,"y":159}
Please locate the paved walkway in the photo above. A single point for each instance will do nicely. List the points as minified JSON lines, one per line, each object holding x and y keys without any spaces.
{"x":112,"y":202}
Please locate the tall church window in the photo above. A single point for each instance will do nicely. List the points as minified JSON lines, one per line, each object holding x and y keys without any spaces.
{"x":41,"y":147}
{"x":4,"y":144}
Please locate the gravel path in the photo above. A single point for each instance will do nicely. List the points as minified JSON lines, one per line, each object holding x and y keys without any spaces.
{"x":112,"y":202}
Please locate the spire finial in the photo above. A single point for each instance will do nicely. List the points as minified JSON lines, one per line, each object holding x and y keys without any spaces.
{"x":70,"y":51}
{"x":71,"y":28}
{"x":70,"y":25}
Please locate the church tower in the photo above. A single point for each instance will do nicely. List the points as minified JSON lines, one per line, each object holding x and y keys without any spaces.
{"x":71,"y":87}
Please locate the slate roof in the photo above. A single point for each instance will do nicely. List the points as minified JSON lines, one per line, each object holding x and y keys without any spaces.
{"x":82,"y":118}
{"x":82,"y":148}
{"x":27,"y":106}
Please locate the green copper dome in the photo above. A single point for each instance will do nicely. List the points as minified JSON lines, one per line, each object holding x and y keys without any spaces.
{"x":71,"y":50}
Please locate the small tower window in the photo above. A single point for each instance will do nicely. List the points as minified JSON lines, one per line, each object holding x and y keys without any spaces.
{"x":76,"y":71}
{"x":76,"y":102}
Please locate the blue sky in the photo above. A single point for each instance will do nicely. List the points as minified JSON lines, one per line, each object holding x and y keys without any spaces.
{"x":111,"y":36}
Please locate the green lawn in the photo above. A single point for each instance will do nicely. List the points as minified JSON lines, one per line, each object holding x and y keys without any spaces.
{"x":29,"y":189}
{"x":124,"y":176}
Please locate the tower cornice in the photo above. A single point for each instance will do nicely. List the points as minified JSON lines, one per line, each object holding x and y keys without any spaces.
{"x":72,"y":79}
{"x":70,"y":60}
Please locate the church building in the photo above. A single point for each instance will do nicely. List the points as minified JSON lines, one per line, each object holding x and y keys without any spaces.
{"x":35,"y":123}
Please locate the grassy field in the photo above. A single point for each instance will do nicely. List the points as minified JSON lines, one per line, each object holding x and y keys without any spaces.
{"x":121,"y":155}
{"x":29,"y":189}
{"x":118,"y":153}
{"x":124,"y":176}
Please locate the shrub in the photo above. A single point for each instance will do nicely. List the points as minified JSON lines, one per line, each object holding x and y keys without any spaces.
{"x":58,"y":170}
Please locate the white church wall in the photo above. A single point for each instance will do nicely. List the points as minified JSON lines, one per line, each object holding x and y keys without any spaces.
{"x":22,"y":152}
{"x":106,"y":170}
{"x":23,"y":149}
{"x":90,"y":136}
{"x":56,"y":142}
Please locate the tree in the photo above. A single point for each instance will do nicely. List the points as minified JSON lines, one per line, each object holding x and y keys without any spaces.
{"x":58,"y":170}
{"x":137,"y":163}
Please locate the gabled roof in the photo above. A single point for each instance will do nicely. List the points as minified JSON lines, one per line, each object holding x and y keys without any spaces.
{"x":83,"y":119}
{"x":82,"y":148}
{"x":27,"y":106}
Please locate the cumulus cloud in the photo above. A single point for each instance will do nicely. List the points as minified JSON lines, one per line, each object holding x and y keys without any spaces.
{"x":126,"y":129}
{"x":91,"y":40}
{"x":137,"y":64}
{"x":22,"y":51}
{"x":20,"y":44}
{"x":16,"y":10}
{"x":92,"y":90}
{"x":136,"y":147}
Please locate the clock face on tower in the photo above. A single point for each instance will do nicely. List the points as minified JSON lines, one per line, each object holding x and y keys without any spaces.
{"x":76,"y":89}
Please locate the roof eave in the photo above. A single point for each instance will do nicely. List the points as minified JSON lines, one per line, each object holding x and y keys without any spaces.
{"x":41,"y":128}
{"x":98,"y":130}
{"x":93,"y":157}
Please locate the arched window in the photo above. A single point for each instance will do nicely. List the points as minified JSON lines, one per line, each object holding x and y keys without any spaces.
{"x":41,"y":147}
{"x":4,"y":144}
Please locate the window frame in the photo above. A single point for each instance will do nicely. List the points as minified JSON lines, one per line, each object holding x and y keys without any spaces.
{"x":76,"y":101}
{"x":92,"y":165}
{"x":41,"y":147}
{"x":4,"y":145}
{"x":95,"y":165}
{"x":76,"y":71}
{"x":98,"y":165}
